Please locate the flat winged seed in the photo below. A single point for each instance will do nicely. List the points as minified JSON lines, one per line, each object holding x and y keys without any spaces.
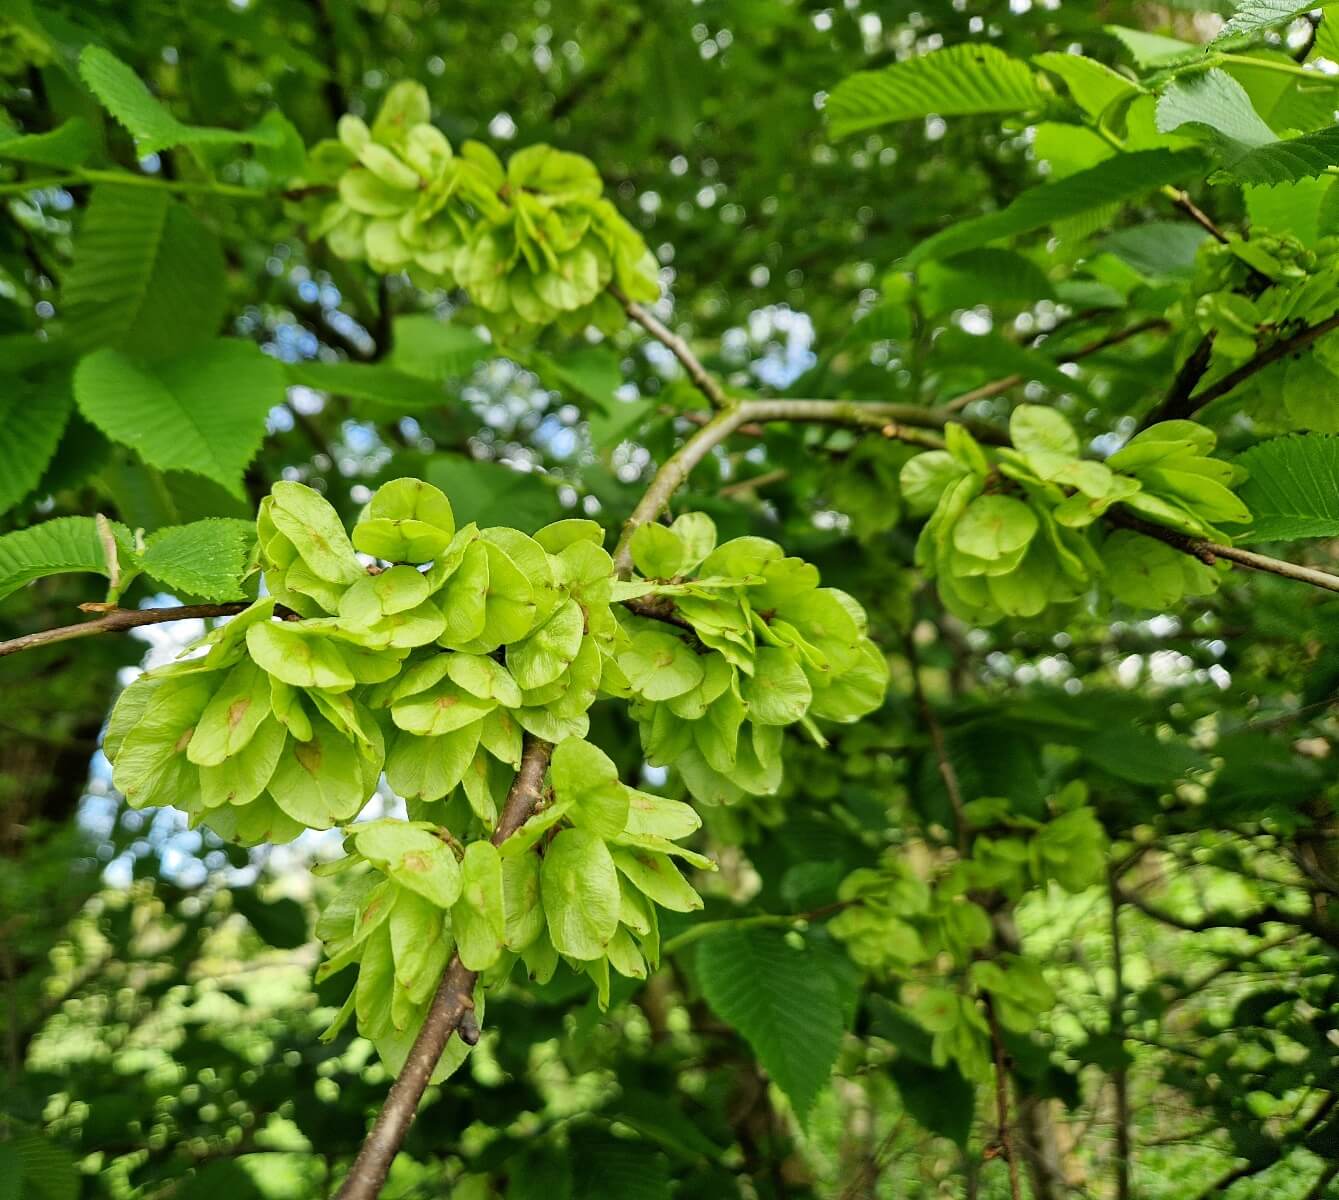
{"x":308,"y":521}
{"x":660,"y":665}
{"x":549,"y":650}
{"x":413,"y":857}
{"x":299,"y":656}
{"x":319,"y":782}
{"x":994,"y":526}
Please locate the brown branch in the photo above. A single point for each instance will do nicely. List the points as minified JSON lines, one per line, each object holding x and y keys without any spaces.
{"x":452,"y":1009}
{"x":703,"y":379}
{"x":947,"y":772}
{"x":1186,"y":405}
{"x":1209,"y":552}
{"x":996,"y":386}
{"x":1251,"y":923}
{"x":1120,"y":1080}
{"x":118,"y":620}
{"x":1002,"y":1103}
{"x":1182,"y":200}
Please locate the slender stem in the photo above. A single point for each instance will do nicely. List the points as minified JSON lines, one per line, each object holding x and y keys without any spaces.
{"x":451,"y":1006}
{"x":947,"y":772}
{"x":118,"y":620}
{"x":1120,"y":1080}
{"x":1181,"y":198}
{"x":1270,"y":354}
{"x":84,"y":177}
{"x":703,"y":380}
{"x":1002,"y":1102}
{"x":702,"y":929}
{"x":996,"y":386}
{"x":1208,"y":552}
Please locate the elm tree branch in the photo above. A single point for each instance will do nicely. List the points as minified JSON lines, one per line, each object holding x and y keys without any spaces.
{"x":452,"y":1010}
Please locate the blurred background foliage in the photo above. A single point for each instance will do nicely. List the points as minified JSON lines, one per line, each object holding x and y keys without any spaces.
{"x":159,"y":1025}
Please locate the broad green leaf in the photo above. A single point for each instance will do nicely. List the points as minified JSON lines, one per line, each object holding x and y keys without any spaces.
{"x":579,"y":886}
{"x":1122,"y":177}
{"x":49,"y":1170}
{"x":375,"y":384}
{"x":428,"y":347}
{"x":1094,"y":86}
{"x":205,"y":558}
{"x":124,"y":95}
{"x":1157,"y":248}
{"x":1251,"y":16}
{"x":1213,"y":100}
{"x":970,"y":78}
{"x":147,"y":278}
{"x":784,"y":1003}
{"x":63,"y":546}
{"x":203,"y":411}
{"x":1293,"y":489}
{"x":1286,"y":161}
{"x":68,"y":145}
{"x":1153,"y":49}
{"x":33,"y":416}
{"x":490,"y":493}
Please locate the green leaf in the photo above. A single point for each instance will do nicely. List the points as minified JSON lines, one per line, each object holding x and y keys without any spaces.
{"x":1153,"y":49}
{"x":49,"y":1170}
{"x":62,"y":546}
{"x":124,"y":95}
{"x":1293,"y":489}
{"x":490,"y":493}
{"x":1251,"y":16}
{"x":1093,"y":85}
{"x":33,"y":417}
{"x":430,"y":348}
{"x":68,"y":145}
{"x":1303,"y":157}
{"x":786,"y":1006}
{"x":148,"y":278}
{"x":203,"y":411}
{"x":375,"y":383}
{"x":1157,"y":248}
{"x":205,"y":558}
{"x":958,"y":80}
{"x":282,"y":923}
{"x":1216,"y":102}
{"x":1122,"y":177}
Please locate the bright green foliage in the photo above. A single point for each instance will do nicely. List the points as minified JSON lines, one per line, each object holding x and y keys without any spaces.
{"x":959,"y":79}
{"x":784,"y":999}
{"x":1012,"y":532}
{"x":762,"y":646}
{"x":1293,"y":489}
{"x":532,"y":243}
{"x":901,"y":924}
{"x":286,"y":724}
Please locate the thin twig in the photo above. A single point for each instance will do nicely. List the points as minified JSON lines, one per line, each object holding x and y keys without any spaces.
{"x":1182,"y":200}
{"x":996,"y":386}
{"x":947,"y":772}
{"x":1181,"y":403}
{"x":118,"y":620}
{"x":1208,"y":552}
{"x":703,"y":379}
{"x":1002,"y":1102}
{"x":1120,"y":1079}
{"x":452,"y":1004}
